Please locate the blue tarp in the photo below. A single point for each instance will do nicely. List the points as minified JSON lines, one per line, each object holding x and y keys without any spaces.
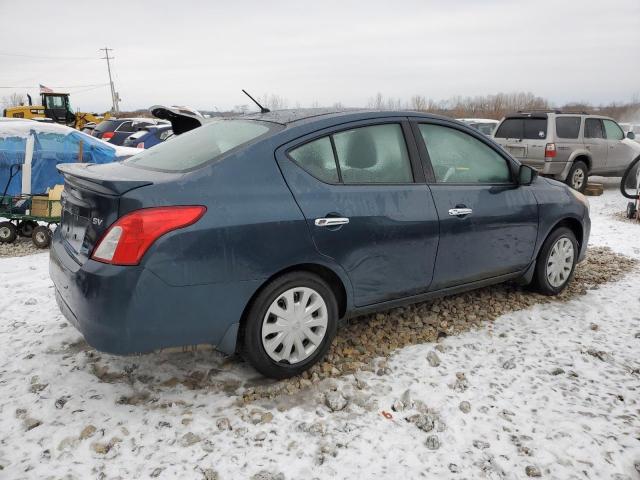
{"x":51,"y":146}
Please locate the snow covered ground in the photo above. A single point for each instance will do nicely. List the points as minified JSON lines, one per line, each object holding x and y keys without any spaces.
{"x":553,"y":390}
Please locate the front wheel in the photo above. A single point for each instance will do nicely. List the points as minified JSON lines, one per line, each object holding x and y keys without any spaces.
{"x":290,"y":325}
{"x":578,"y":176}
{"x":556,"y":262}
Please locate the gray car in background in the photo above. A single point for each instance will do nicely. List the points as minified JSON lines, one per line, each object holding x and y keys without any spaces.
{"x":567,"y":146}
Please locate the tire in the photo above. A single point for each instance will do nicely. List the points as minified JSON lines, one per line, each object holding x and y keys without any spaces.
{"x":578,"y":176}
{"x":630,"y":183}
{"x":41,"y":236}
{"x":8,"y":232}
{"x":631,"y":210}
{"x":25,"y":228}
{"x":544,"y":279}
{"x":282,"y":294}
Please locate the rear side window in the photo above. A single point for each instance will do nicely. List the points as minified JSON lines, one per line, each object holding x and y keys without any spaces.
{"x":376,"y":154}
{"x":457,"y":157}
{"x":199,"y":146}
{"x":613,"y":131}
{"x":593,"y":128}
{"x":567,"y":127}
{"x":317,"y":158}
{"x":125,"y":127}
{"x":106,"y":126}
{"x":524,"y":128}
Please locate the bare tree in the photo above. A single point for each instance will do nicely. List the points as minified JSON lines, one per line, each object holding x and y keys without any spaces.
{"x":13,"y":100}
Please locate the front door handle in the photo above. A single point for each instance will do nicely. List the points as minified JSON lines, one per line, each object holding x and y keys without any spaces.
{"x":331,"y":221}
{"x":459,"y":212}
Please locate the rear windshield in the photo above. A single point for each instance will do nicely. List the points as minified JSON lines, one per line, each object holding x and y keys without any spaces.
{"x":526,"y":128}
{"x":567,"y":127}
{"x":200,"y":145}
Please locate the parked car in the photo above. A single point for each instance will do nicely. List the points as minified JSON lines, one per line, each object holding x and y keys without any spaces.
{"x":567,"y":146}
{"x":485,"y":125}
{"x":116,"y":130}
{"x":88,"y":128}
{"x":258,"y":234}
{"x":631,"y":127}
{"x":148,"y":136}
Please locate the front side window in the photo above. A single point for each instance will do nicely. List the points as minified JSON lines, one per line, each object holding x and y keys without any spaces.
{"x":317,"y":158}
{"x":567,"y":127}
{"x":376,"y":154}
{"x":457,"y":157}
{"x":593,"y":128}
{"x":125,"y":127}
{"x":613,"y":131}
{"x":200,"y":145}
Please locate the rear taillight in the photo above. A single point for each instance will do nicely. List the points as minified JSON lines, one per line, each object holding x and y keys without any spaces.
{"x":107,"y":135}
{"x":128,"y":239}
{"x":140,"y":145}
{"x":550,"y":150}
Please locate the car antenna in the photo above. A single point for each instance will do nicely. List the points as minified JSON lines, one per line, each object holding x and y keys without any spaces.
{"x":262,"y":109}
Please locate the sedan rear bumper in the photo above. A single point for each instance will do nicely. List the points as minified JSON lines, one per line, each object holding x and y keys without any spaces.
{"x":126,"y":310}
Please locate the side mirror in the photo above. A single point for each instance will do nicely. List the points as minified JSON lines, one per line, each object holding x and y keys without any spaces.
{"x":631,"y":135}
{"x":526,"y":175}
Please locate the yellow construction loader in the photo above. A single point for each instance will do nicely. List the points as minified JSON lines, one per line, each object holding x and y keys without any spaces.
{"x":55,"y":107}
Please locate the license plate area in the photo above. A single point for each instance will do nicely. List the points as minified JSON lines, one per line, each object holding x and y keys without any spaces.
{"x":517,"y":151}
{"x":73,"y":225}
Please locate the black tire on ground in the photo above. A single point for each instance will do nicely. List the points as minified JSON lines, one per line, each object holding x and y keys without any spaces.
{"x":630,"y":184}
{"x":631,"y":210}
{"x":578,"y":176}
{"x":41,"y":236}
{"x":545,"y":263}
{"x":8,"y":232}
{"x":25,"y":228}
{"x":251,"y":347}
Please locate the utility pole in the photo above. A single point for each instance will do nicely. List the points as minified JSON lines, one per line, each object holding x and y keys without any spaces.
{"x":115,"y":98}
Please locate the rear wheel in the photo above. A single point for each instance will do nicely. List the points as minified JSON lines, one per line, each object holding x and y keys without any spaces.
{"x":41,"y":236}
{"x":25,"y":228}
{"x":8,"y":232}
{"x":290,"y":325}
{"x":556,"y":262}
{"x":578,"y":176}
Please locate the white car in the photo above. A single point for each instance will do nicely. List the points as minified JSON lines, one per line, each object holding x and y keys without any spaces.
{"x":485,"y":125}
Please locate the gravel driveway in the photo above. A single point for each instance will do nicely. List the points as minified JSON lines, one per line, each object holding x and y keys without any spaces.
{"x":497,"y":383}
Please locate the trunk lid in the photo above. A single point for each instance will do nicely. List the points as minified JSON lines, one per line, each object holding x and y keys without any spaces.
{"x":91,"y":202}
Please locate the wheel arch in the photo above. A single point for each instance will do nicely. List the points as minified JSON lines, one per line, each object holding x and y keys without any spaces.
{"x":572,"y":224}
{"x":332,"y":278}
{"x":583,"y":157}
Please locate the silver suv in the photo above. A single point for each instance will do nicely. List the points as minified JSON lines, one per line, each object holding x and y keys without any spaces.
{"x":567,"y":146}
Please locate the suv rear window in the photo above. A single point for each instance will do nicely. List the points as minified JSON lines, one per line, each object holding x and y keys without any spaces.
{"x":524,"y":128}
{"x":200,"y":145}
{"x":567,"y":127}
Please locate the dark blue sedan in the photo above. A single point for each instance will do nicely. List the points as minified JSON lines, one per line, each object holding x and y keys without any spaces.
{"x":258,"y":234}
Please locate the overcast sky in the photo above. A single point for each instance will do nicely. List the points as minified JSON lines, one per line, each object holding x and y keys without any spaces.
{"x":201,"y":53}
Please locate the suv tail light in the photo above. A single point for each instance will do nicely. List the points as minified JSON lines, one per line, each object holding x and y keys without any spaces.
{"x":140,"y":145}
{"x":550,"y":150}
{"x":107,"y":135}
{"x":128,"y":239}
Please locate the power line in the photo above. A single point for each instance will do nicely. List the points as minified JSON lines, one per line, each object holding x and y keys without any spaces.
{"x":5,"y":54}
{"x":59,"y":86}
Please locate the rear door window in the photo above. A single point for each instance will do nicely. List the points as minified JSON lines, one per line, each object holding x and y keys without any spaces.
{"x":524,"y":128}
{"x":125,"y":127}
{"x":375,"y":154}
{"x":593,"y":128}
{"x":567,"y":127}
{"x":612,"y":130}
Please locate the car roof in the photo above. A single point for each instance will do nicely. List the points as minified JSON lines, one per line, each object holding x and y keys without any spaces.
{"x":294,"y":117}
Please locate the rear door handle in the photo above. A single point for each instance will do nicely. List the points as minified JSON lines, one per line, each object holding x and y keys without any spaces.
{"x":458,"y":212}
{"x":331,"y":221}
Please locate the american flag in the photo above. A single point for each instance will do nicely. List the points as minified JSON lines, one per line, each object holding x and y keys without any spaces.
{"x":44,"y":89}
